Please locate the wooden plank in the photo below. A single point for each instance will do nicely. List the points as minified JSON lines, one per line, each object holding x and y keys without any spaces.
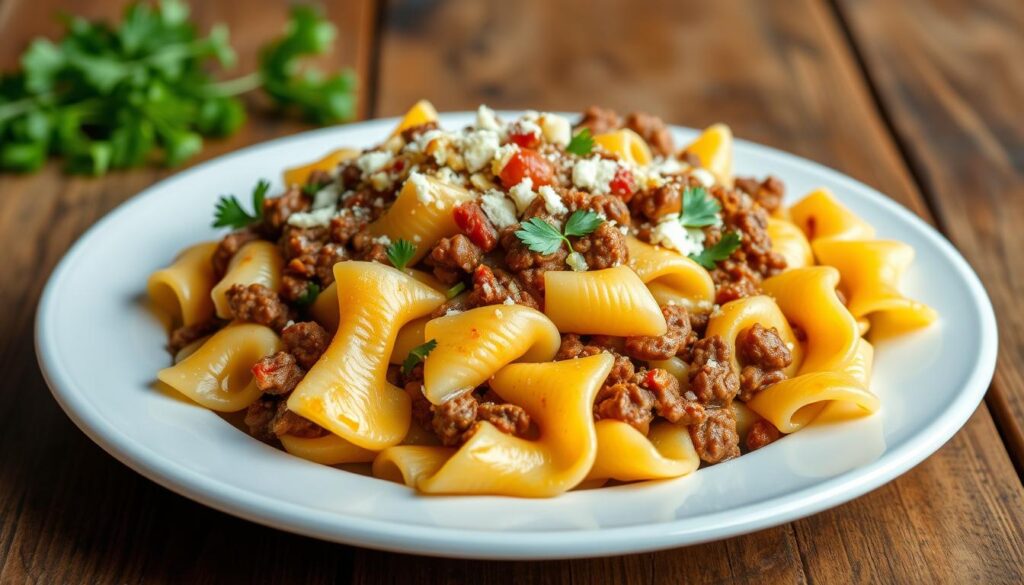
{"x":782,"y":74}
{"x":69,"y":512}
{"x":949,"y":76}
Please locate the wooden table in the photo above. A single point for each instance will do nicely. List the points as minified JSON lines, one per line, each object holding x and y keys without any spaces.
{"x":918,"y":98}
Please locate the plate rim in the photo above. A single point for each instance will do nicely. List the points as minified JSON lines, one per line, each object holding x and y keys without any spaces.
{"x":519,"y":545}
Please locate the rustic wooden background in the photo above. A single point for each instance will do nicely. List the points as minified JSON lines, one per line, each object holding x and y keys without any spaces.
{"x":918,"y":98}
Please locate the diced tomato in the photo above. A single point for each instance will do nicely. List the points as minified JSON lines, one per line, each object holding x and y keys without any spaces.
{"x":623,"y":184}
{"x":651,"y":379}
{"x":524,"y":138}
{"x":527,"y":164}
{"x":472,"y":221}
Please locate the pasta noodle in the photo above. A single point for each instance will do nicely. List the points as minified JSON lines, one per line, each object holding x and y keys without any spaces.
{"x":625,"y":454}
{"x":257,"y":262}
{"x":788,"y":240}
{"x":330,"y":161}
{"x":671,"y":277}
{"x":627,"y":145}
{"x":613,"y":301}
{"x":735,"y":316}
{"x":182,"y":290}
{"x":328,"y":450}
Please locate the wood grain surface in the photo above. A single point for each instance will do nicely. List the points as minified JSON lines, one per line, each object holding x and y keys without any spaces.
{"x":898,"y":95}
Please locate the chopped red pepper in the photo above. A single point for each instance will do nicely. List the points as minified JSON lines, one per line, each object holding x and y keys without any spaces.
{"x":623,"y":184}
{"x":471,"y":220}
{"x":527,"y":164}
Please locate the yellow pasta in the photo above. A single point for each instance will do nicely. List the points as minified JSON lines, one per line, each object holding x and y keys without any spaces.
{"x":408,"y":464}
{"x":218,"y":375}
{"x":473,"y":345}
{"x":735,"y":316}
{"x":791,"y":404}
{"x":409,"y":337}
{"x":330,"y":161}
{"x":421,"y":112}
{"x":714,"y":149}
{"x":819,"y":215}
{"x":627,"y":145}
{"x":182,"y":290}
{"x":324,"y":309}
{"x":347,"y":392}
{"x":625,"y":454}
{"x":788,"y":240}
{"x":613,"y":301}
{"x":327,"y":450}
{"x":671,"y":277}
{"x":257,"y":262}
{"x":421,"y":218}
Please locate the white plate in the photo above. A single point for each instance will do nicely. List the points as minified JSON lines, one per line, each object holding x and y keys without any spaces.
{"x":99,"y":349}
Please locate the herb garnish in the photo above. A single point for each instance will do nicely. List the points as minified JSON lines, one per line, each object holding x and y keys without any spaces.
{"x":417,"y":355}
{"x":581,"y":144}
{"x":720,"y":251}
{"x":229,"y":211}
{"x":699,"y":208}
{"x":543,"y":238}
{"x":400,"y":253}
{"x":455,"y":290}
{"x":308,"y":297}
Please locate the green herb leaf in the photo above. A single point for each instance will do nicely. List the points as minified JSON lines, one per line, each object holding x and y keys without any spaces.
{"x":540,"y":236}
{"x":417,"y":355}
{"x":699,"y":208}
{"x":581,"y":144}
{"x":720,"y":251}
{"x":455,"y":290}
{"x":582,"y":223}
{"x":400,"y":253}
{"x":230,"y":213}
{"x":308,"y":297}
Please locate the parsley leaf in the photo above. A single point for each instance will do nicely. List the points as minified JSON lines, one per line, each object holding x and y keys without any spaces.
{"x":540,"y":236}
{"x":582,"y":223}
{"x":308,"y":297}
{"x":230,"y":213}
{"x":400,"y":253}
{"x":699,"y":208}
{"x":720,"y":251}
{"x":455,"y":290}
{"x":417,"y":355}
{"x":581,"y":144}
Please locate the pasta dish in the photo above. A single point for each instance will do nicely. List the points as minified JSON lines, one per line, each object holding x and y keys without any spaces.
{"x":532,"y":305}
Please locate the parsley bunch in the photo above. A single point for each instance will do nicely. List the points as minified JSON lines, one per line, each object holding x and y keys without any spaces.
{"x":106,"y":97}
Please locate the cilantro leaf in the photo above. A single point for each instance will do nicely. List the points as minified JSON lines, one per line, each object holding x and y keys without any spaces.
{"x":582,"y":223}
{"x":400,"y":253}
{"x":720,"y":251}
{"x":542,"y":237}
{"x":455,"y":290}
{"x":230,"y":213}
{"x":699,"y":208}
{"x":417,"y":355}
{"x":581,"y":144}
{"x":308,"y":297}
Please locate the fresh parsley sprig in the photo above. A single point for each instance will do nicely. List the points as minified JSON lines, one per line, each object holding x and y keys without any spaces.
{"x":455,"y":290}
{"x":581,"y":144}
{"x":308,"y":297}
{"x":230,"y":213}
{"x":417,"y":355}
{"x":720,"y":251}
{"x":700,"y":209}
{"x":399,"y":253}
{"x":540,"y":236}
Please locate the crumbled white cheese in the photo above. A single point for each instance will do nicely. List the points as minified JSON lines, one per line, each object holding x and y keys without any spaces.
{"x":381,"y":181}
{"x":576,"y":261}
{"x":668,"y":166}
{"x":502,"y":156}
{"x":704,"y":177}
{"x":421,"y":186}
{"x":530,"y":127}
{"x":316,"y":218}
{"x":689,"y":395}
{"x":552,"y":202}
{"x":508,"y":301}
{"x":523,"y":194}
{"x":594,"y":174}
{"x":446,"y":175}
{"x":327,"y":197}
{"x":478,"y":148}
{"x":451,"y":312}
{"x":498,"y":208}
{"x":383,"y":240}
{"x":671,"y":234}
{"x":421,"y":142}
{"x":481,"y":182}
{"x":372,"y":161}
{"x":556,"y":129}
{"x":487,"y":120}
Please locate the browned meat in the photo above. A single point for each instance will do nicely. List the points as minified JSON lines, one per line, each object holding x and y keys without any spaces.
{"x":277,"y":210}
{"x":768,"y":193}
{"x":662,"y":347}
{"x":287,"y":422}
{"x":229,"y":245}
{"x":653,"y":131}
{"x":508,"y":418}
{"x":453,"y":418}
{"x":413,"y":132}
{"x":605,"y":247}
{"x":307,"y":341}
{"x":626,"y":402}
{"x":493,"y":286}
{"x":452,"y":258}
{"x":258,"y":304}
{"x":326,"y":258}
{"x":529,"y":267}
{"x":734,"y":280}
{"x":421,"y":407}
{"x":740,"y":213}
{"x":652,"y":204}
{"x":345,"y":225}
{"x":763,"y":355}
{"x":716,"y":439}
{"x":599,"y":120}
{"x":319,"y":178}
{"x":712,"y":377}
{"x":298,"y":242}
{"x":278,"y":373}
{"x":293,"y":287}
{"x":664,"y":389}
{"x":259,"y":416}
{"x":186,"y":334}
{"x":269,"y":418}
{"x":574,"y":347}
{"x":611,"y":207}
{"x":761,"y":433}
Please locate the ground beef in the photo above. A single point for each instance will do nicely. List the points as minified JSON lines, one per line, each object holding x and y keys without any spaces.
{"x":269,"y":418}
{"x":293,"y":287}
{"x":421,"y":407}
{"x":740,"y":213}
{"x":768,"y":193}
{"x":604,"y":247}
{"x":599,"y":120}
{"x":277,"y":210}
{"x":452,"y":258}
{"x":492,"y":286}
{"x":668,"y":404}
{"x":611,"y":207}
{"x":326,"y":258}
{"x":307,"y":341}
{"x":473,"y":222}
{"x":626,"y":402}
{"x":186,"y":334}
{"x":699,"y":323}
{"x":663,"y":347}
{"x":301,"y":243}
{"x":345,"y":225}
{"x":760,"y":434}
{"x":528,"y":266}
{"x":653,"y":204}
{"x":287,"y":422}
{"x":455,"y":421}
{"x":734,"y":280}
{"x":712,"y":378}
{"x":349,"y":175}
{"x":763,"y":355}
{"x":653,"y":131}
{"x":716,"y":439}
{"x":228,"y":246}
{"x":319,"y":178}
{"x":574,"y":347}
{"x":277,"y":374}
{"x":508,"y":418}
{"x":256,"y":303}
{"x":413,"y":132}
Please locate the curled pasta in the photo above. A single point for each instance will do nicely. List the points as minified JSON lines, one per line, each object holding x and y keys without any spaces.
{"x":819,"y":215}
{"x":327,"y":450}
{"x":182,"y":290}
{"x":409,"y":463}
{"x":791,"y":404}
{"x":627,"y":145}
{"x":613,"y":301}
{"x":714,"y":149}
{"x":788,"y":240}
{"x":473,"y":345}
{"x":257,"y":262}
{"x":735,"y":316}
{"x":324,"y":309}
{"x":421,"y":112}
{"x":421,"y":218}
{"x":218,"y":375}
{"x":671,"y":277}
{"x":347,"y":392}
{"x":625,"y":454}
{"x":329,"y":162}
